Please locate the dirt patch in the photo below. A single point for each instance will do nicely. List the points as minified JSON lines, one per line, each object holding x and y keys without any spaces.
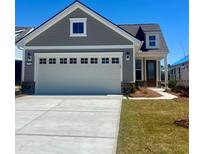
{"x":179,"y":94}
{"x":184,"y":122}
{"x":144,"y":92}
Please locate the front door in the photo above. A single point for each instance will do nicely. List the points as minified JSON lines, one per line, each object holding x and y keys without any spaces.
{"x":151,"y":73}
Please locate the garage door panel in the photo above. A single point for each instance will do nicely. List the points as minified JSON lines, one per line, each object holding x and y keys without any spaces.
{"x":78,"y":78}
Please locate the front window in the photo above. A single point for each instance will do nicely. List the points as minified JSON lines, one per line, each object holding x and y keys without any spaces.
{"x":138,"y":69}
{"x":78,"y":27}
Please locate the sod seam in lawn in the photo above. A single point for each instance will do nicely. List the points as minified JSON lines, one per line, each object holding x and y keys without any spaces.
{"x":147,"y":126}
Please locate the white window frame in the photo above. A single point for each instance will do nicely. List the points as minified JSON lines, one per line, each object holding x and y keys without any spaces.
{"x":77,"y":20}
{"x":148,"y":41}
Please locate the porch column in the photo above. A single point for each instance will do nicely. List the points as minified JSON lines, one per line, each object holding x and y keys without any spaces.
{"x":166,"y":72}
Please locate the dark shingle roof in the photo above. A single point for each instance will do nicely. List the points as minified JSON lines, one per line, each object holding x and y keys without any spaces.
{"x":139,"y":30}
{"x":22,"y":32}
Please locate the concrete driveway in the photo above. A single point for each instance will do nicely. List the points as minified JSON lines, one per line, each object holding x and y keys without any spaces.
{"x":67,"y":124}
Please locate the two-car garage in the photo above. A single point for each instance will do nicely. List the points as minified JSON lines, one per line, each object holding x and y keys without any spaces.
{"x":78,"y":73}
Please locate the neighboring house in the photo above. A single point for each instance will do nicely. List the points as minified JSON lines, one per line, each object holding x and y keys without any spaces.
{"x":20,"y":32}
{"x":78,"y":51}
{"x":179,"y":71}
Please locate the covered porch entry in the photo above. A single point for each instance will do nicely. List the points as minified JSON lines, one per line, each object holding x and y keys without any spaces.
{"x":148,"y":69}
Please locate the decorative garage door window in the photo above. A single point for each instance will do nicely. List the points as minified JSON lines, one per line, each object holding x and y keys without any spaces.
{"x":63,"y":60}
{"x":115,"y":60}
{"x":94,"y":60}
{"x":105,"y":60}
{"x":73,"y":60}
{"x":52,"y":60}
{"x":84,"y":60}
{"x":42,"y":61}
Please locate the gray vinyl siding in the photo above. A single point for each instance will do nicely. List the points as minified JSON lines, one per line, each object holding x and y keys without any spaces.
{"x":97,"y":34}
{"x":127,"y":65}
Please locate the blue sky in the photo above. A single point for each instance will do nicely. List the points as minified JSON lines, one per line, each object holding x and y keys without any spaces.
{"x":172,"y":15}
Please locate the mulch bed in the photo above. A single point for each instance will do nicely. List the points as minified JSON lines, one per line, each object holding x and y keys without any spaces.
{"x":144,"y":92}
{"x":184,"y":122}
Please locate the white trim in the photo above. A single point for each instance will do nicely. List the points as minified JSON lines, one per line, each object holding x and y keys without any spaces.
{"x":77,"y":55}
{"x":152,"y":54}
{"x":80,"y":47}
{"x":76,"y":20}
{"x":67,"y":11}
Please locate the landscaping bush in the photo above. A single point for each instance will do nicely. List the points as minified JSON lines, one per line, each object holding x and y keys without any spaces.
{"x":128,"y":88}
{"x":172,"y":84}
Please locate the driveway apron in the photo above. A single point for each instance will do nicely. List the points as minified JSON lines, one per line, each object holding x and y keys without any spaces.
{"x":67,"y":124}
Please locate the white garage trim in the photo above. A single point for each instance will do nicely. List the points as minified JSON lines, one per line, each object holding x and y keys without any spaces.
{"x":75,"y":55}
{"x":79,"y":47}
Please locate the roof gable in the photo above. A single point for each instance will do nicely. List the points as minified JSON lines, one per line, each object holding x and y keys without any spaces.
{"x":138,"y":30}
{"x":96,"y":33}
{"x":68,"y":10}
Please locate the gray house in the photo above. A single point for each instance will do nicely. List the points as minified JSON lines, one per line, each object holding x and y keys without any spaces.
{"x":78,"y":51}
{"x":179,"y":71}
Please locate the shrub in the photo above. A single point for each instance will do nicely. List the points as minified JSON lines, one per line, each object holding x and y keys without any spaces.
{"x":172,"y":84}
{"x":128,"y":88}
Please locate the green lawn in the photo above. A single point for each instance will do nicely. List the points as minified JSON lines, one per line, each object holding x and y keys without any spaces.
{"x":147,"y":127}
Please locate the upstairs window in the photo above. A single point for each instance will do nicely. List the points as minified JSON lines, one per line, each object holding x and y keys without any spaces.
{"x":78,"y":27}
{"x":152,"y":40}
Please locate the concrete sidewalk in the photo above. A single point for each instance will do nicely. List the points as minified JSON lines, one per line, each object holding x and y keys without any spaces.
{"x":67,"y":124}
{"x":165,"y":95}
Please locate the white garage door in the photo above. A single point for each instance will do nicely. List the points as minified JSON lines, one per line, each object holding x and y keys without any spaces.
{"x":78,"y":73}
